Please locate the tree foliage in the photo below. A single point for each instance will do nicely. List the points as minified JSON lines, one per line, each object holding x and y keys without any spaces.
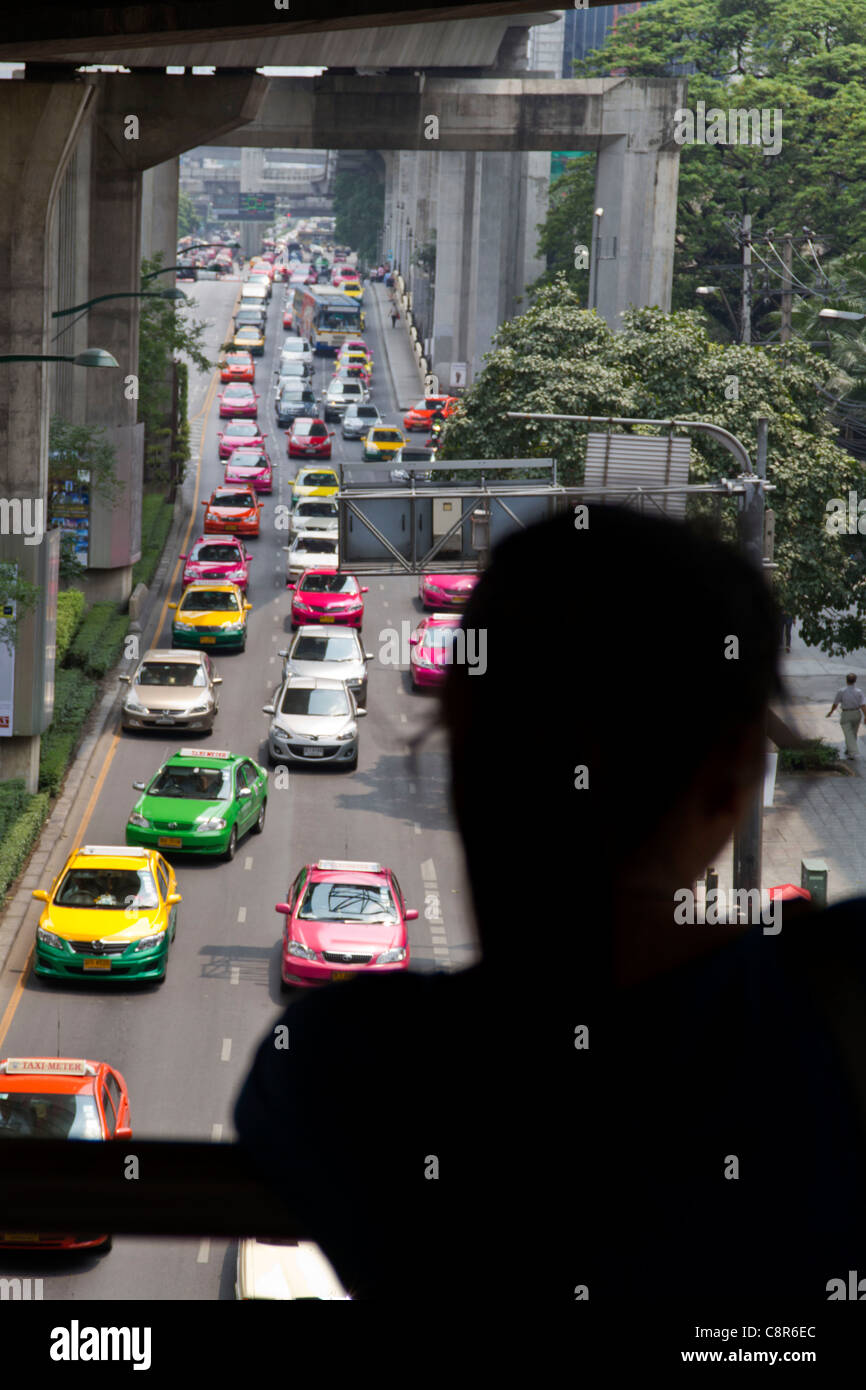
{"x":560,"y":358}
{"x":165,"y":332}
{"x":359,"y":210}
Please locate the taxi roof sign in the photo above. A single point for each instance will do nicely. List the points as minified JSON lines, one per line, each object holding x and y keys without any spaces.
{"x":116,"y":851}
{"x":53,"y":1066}
{"x":203,"y":753}
{"x":362,"y":865}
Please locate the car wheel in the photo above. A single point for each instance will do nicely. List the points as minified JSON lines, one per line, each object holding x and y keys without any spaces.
{"x":231,"y":847}
{"x":260,"y":823}
{"x":106,"y":1245}
{"x":353,"y":765}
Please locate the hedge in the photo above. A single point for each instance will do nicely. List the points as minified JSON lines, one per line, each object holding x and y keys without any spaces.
{"x":99,"y":641}
{"x":157,"y":516}
{"x":813,"y":756}
{"x":20,"y":838}
{"x":70,"y":610}
{"x":73,"y":698}
{"x":13,"y":798}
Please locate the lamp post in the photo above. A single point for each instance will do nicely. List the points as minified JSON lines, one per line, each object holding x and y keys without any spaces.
{"x":81,"y":309}
{"x":717,"y":289}
{"x":90,"y":357}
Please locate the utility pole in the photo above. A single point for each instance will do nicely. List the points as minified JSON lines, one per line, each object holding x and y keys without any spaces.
{"x":748,"y":838}
{"x":787,"y":289}
{"x":746,"y":312}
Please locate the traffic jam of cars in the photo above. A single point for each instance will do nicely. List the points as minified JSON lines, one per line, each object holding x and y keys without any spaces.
{"x":111,"y":914}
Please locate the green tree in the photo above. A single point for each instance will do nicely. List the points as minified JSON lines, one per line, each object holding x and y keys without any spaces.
{"x":359,"y":210}
{"x":17,"y":598}
{"x":568,"y":225}
{"x":559,"y":358}
{"x":74,"y":449}
{"x":807,"y":62}
{"x":187,"y":218}
{"x":164,"y":334}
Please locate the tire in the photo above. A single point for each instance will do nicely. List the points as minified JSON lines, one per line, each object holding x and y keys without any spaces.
{"x":106,"y":1245}
{"x":353,"y":765}
{"x":260,"y":823}
{"x":231,"y":848}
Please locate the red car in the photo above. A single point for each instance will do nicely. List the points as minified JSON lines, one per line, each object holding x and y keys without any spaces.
{"x":235,"y":510}
{"x":420,"y":417}
{"x":217,"y":557}
{"x":446,"y":590}
{"x":250,"y":466}
{"x":344,"y":917}
{"x":61,"y":1098}
{"x":325,"y":596}
{"x":430,"y":649}
{"x":287,"y":316}
{"x":239,"y":434}
{"x":239,"y":399}
{"x":238,"y":366}
{"x":309,"y":439}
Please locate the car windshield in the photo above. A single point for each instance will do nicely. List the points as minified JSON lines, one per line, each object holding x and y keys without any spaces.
{"x":321,"y":545}
{"x":208,"y":601}
{"x":249,"y":458}
{"x":292,"y":390}
{"x":288,"y":367}
{"x":243,"y":429}
{"x":171,"y":673}
{"x":238,"y":391}
{"x":329,"y":584}
{"x":192,"y":783}
{"x":218,"y":554}
{"x":317,"y":479}
{"x":348,"y":902}
{"x":438,"y":640}
{"x":107,"y":888}
{"x":43,"y":1115}
{"x":233,"y":499}
{"x":237,"y":359}
{"x":298,"y":345}
{"x":328,"y":704}
{"x":324,"y":648}
{"x":387,"y":437}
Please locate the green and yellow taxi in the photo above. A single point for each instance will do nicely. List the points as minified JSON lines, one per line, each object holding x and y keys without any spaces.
{"x":210,"y":614}
{"x":111,"y":913}
{"x":382,"y":441}
{"x":314,"y":482}
{"x":201,"y":801}
{"x":249,"y":338}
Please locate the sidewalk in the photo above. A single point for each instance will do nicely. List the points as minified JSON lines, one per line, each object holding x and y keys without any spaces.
{"x":815,"y":815}
{"x":400,"y":363}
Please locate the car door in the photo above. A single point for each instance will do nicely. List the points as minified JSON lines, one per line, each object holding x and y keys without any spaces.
{"x":162,"y":878}
{"x":108,"y":1107}
{"x":248,"y":806}
{"x":119,"y":1097}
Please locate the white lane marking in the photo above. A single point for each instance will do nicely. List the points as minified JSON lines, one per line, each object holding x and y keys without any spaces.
{"x":203,"y":1252}
{"x":403,"y":719}
{"x":385,"y":603}
{"x":235,"y":976}
{"x":271,"y":660}
{"x":216,"y":1133}
{"x":276,"y":617}
{"x":417,"y":828}
{"x":428,"y":871}
{"x":242,"y":914}
{"x":381,"y":586}
{"x":248,"y":862}
{"x":226,"y":1053}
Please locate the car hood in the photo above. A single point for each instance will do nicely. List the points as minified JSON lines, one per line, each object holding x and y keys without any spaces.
{"x":169,"y":697}
{"x":309,"y":725}
{"x":286,"y":1272}
{"x":451,"y":583}
{"x":94,"y":924}
{"x":184,"y":810}
{"x":239,"y":472}
{"x":333,"y":670}
{"x":327,"y":524}
{"x":238,"y":441}
{"x":230,"y":513}
{"x":350,"y":937}
{"x":215,"y":617}
{"x":330,"y":603}
{"x":211,"y":569}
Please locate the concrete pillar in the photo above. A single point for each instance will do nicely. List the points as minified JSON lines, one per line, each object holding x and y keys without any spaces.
{"x":39,"y":126}
{"x":457,"y":248}
{"x":159,"y":200}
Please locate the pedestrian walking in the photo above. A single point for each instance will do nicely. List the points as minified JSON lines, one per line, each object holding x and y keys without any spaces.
{"x":395,"y":317}
{"x":787,"y":625}
{"x":853,"y":702}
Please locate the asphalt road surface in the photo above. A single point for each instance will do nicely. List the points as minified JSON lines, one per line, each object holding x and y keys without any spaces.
{"x":184,"y":1047}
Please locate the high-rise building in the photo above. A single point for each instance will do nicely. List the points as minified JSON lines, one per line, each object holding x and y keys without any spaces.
{"x":587,"y":29}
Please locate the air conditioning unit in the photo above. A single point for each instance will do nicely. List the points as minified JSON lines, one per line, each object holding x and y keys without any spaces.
{"x":446,"y":510}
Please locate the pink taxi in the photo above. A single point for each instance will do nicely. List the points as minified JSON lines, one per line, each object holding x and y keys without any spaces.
{"x":239,"y":434}
{"x":326,"y":596}
{"x":250,"y":466}
{"x":446,"y":590}
{"x":217,"y":557}
{"x":238,"y":399}
{"x":430,"y":649}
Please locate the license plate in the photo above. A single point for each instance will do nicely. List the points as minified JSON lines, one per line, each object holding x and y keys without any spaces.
{"x":208,"y":639}
{"x":342,"y":974}
{"x":329,"y":620}
{"x":170,"y":842}
{"x":20,"y":1237}
{"x":98,"y":963}
{"x":165,"y":719}
{"x":314,"y":752}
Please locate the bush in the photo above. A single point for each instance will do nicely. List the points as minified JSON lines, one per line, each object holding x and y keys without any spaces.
{"x":13,"y":798}
{"x":70,"y":610}
{"x":814,"y":756}
{"x":156,"y":519}
{"x":73,"y":698}
{"x":20,"y":838}
{"x":99,"y":640}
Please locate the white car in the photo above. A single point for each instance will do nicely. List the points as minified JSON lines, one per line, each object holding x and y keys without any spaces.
{"x":312,"y":514}
{"x":313,"y":718}
{"x":340,"y":394}
{"x":311,"y":550}
{"x":296,"y":349}
{"x":285,"y":1269}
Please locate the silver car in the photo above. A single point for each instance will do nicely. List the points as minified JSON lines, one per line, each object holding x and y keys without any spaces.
{"x":172,"y":689}
{"x":333,"y":652}
{"x":313,"y":717}
{"x":341,"y":394}
{"x":314,"y":514}
{"x":358,"y":419}
{"x":311,"y":550}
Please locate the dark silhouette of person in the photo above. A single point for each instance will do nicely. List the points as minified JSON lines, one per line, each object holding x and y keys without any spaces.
{"x":609,"y":1103}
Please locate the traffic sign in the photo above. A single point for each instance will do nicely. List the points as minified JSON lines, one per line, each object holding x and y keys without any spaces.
{"x":458,"y":375}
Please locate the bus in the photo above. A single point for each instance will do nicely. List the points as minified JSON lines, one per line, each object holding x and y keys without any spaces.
{"x":325,"y":316}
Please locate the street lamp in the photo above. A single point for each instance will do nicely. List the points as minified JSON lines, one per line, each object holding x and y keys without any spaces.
{"x":90,"y":357}
{"x":717,"y":289}
{"x":171,"y":294}
{"x":840,"y":314}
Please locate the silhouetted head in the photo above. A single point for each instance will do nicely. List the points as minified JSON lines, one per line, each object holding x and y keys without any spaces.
{"x":851,"y":678}
{"x":610,"y":746}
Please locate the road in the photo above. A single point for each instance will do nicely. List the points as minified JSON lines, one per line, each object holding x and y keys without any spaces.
{"x":184,"y":1047}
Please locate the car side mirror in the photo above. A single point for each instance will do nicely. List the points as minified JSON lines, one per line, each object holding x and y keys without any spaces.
{"x":360,"y":713}
{"x":368,"y":656}
{"x":183,"y":557}
{"x":247,"y":606}
{"x":365,"y":588}
{"x":217,"y":680}
{"x":268,"y":709}
{"x":413,"y":641}
{"x":41,"y":894}
{"x":411,"y":914}
{"x":125,"y":678}
{"x":123,"y":1132}
{"x":140,"y":786}
{"x":245,"y":792}
{"x":282,"y":652}
{"x":173,"y":899}
{"x":172,"y":605}
{"x":284,"y":909}
{"x":289,"y":586}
